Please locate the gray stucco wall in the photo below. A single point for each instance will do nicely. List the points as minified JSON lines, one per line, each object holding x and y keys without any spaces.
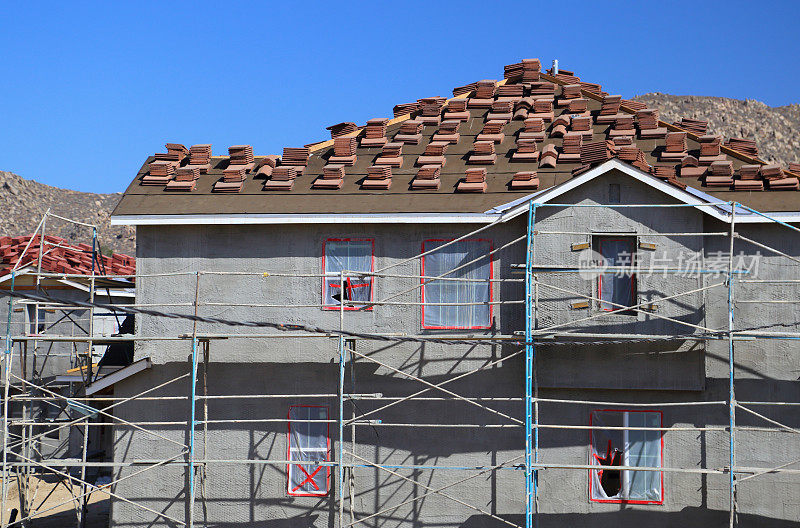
{"x":683,"y":370}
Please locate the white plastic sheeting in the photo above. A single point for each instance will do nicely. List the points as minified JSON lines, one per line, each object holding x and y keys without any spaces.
{"x":626,"y":448}
{"x":350,"y":255}
{"x":441,"y":263}
{"x":308,"y":442}
{"x":617,"y":286}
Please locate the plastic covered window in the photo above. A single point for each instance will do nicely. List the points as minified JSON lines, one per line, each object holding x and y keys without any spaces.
{"x":635,"y":448}
{"x":449,"y":304}
{"x":352,"y":255}
{"x":308,"y":442}
{"x":617,"y":287}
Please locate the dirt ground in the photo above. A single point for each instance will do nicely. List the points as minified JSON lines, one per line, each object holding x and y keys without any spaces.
{"x":53,"y":505}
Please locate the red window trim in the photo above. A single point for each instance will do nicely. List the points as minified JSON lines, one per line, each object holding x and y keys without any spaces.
{"x":600,"y":277}
{"x":372,"y":268}
{"x":491,"y":290}
{"x":591,"y":448}
{"x":327,"y":456}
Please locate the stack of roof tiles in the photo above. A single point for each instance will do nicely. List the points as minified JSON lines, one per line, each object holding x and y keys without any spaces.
{"x":295,"y":157}
{"x":391,"y":155}
{"x":571,"y":148}
{"x":623,"y":126}
{"x":434,"y":154}
{"x":543,"y":109}
{"x":595,"y":152}
{"x":609,"y":109}
{"x":232,"y":179}
{"x":559,"y":126}
{"x":375,"y":133}
{"x":719,"y":174}
{"x":548,"y":157}
{"x":647,"y":118}
{"x":501,"y":111}
{"x":533,"y":129}
{"x":526,"y":151}
{"x":159,"y":173}
{"x":241,"y":155}
{"x":405,"y":108}
{"x":483,"y":153}
{"x":344,"y":151}
{"x":427,"y":177}
{"x":710,"y":149}
{"x":675,"y":148}
{"x":695,"y":126}
{"x":448,"y":131}
{"x":332,"y":177}
{"x":527,"y":70}
{"x":200,"y":157}
{"x":484,"y":95}
{"x":282,"y":178}
{"x":60,"y":256}
{"x":543,"y":90}
{"x":185,"y":179}
{"x":467,"y":88}
{"x":475,"y":181}
{"x":456,"y":110}
{"x":175,"y":152}
{"x":492,"y":131}
{"x":582,"y":124}
{"x":341,"y":129}
{"x":745,"y":146}
{"x":524,"y":181}
{"x":749,"y":179}
{"x":431,"y":109}
{"x":410,"y":132}
{"x":379,"y":177}
{"x":776,"y":179}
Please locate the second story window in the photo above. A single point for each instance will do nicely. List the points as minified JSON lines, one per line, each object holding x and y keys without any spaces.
{"x":626,"y":438}
{"x":616,"y":287}
{"x":352,"y":255}
{"x":457,"y":304}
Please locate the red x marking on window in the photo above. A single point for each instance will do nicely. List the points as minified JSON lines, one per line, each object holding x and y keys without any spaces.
{"x":349,"y":287}
{"x":309,"y":478}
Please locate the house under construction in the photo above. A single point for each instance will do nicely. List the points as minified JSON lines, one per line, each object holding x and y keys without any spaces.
{"x":530,"y":304}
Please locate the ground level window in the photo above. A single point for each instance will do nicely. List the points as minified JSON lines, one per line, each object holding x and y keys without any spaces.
{"x":450,"y":304}
{"x":352,"y":255}
{"x":618,"y":447}
{"x":309,"y":442}
{"x":617,"y":287}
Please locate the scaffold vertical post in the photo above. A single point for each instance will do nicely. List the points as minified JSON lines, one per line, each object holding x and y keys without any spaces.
{"x":193,"y":408}
{"x":340,"y":417}
{"x":531,"y":477}
{"x":7,"y":354}
{"x":731,"y":394}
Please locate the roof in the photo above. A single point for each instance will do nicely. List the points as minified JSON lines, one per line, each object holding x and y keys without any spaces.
{"x":59,"y":256}
{"x":427,"y":181}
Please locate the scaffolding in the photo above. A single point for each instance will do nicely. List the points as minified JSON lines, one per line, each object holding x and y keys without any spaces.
{"x":21,"y":462}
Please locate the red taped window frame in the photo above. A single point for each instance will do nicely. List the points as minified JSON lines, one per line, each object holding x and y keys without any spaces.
{"x":591,"y":462}
{"x":327,"y":469}
{"x":371,"y":268}
{"x":489,"y":285}
{"x":632,"y":241}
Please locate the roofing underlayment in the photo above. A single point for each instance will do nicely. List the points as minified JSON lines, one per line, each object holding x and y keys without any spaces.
{"x":492,"y":143}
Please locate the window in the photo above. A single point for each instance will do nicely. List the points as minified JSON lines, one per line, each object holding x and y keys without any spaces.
{"x":347,"y":254}
{"x":308,"y":442}
{"x":437,"y":295}
{"x":617,"y":286}
{"x":616,"y":447}
{"x":36,"y":326}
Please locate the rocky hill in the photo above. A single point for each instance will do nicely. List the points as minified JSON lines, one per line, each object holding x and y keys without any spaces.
{"x":23,"y":202}
{"x":775,"y":129}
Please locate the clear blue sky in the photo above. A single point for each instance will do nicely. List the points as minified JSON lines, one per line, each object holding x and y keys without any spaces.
{"x":89,"y":90}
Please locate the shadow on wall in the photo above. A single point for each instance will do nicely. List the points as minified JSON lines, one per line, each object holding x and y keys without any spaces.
{"x":689,"y":517}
